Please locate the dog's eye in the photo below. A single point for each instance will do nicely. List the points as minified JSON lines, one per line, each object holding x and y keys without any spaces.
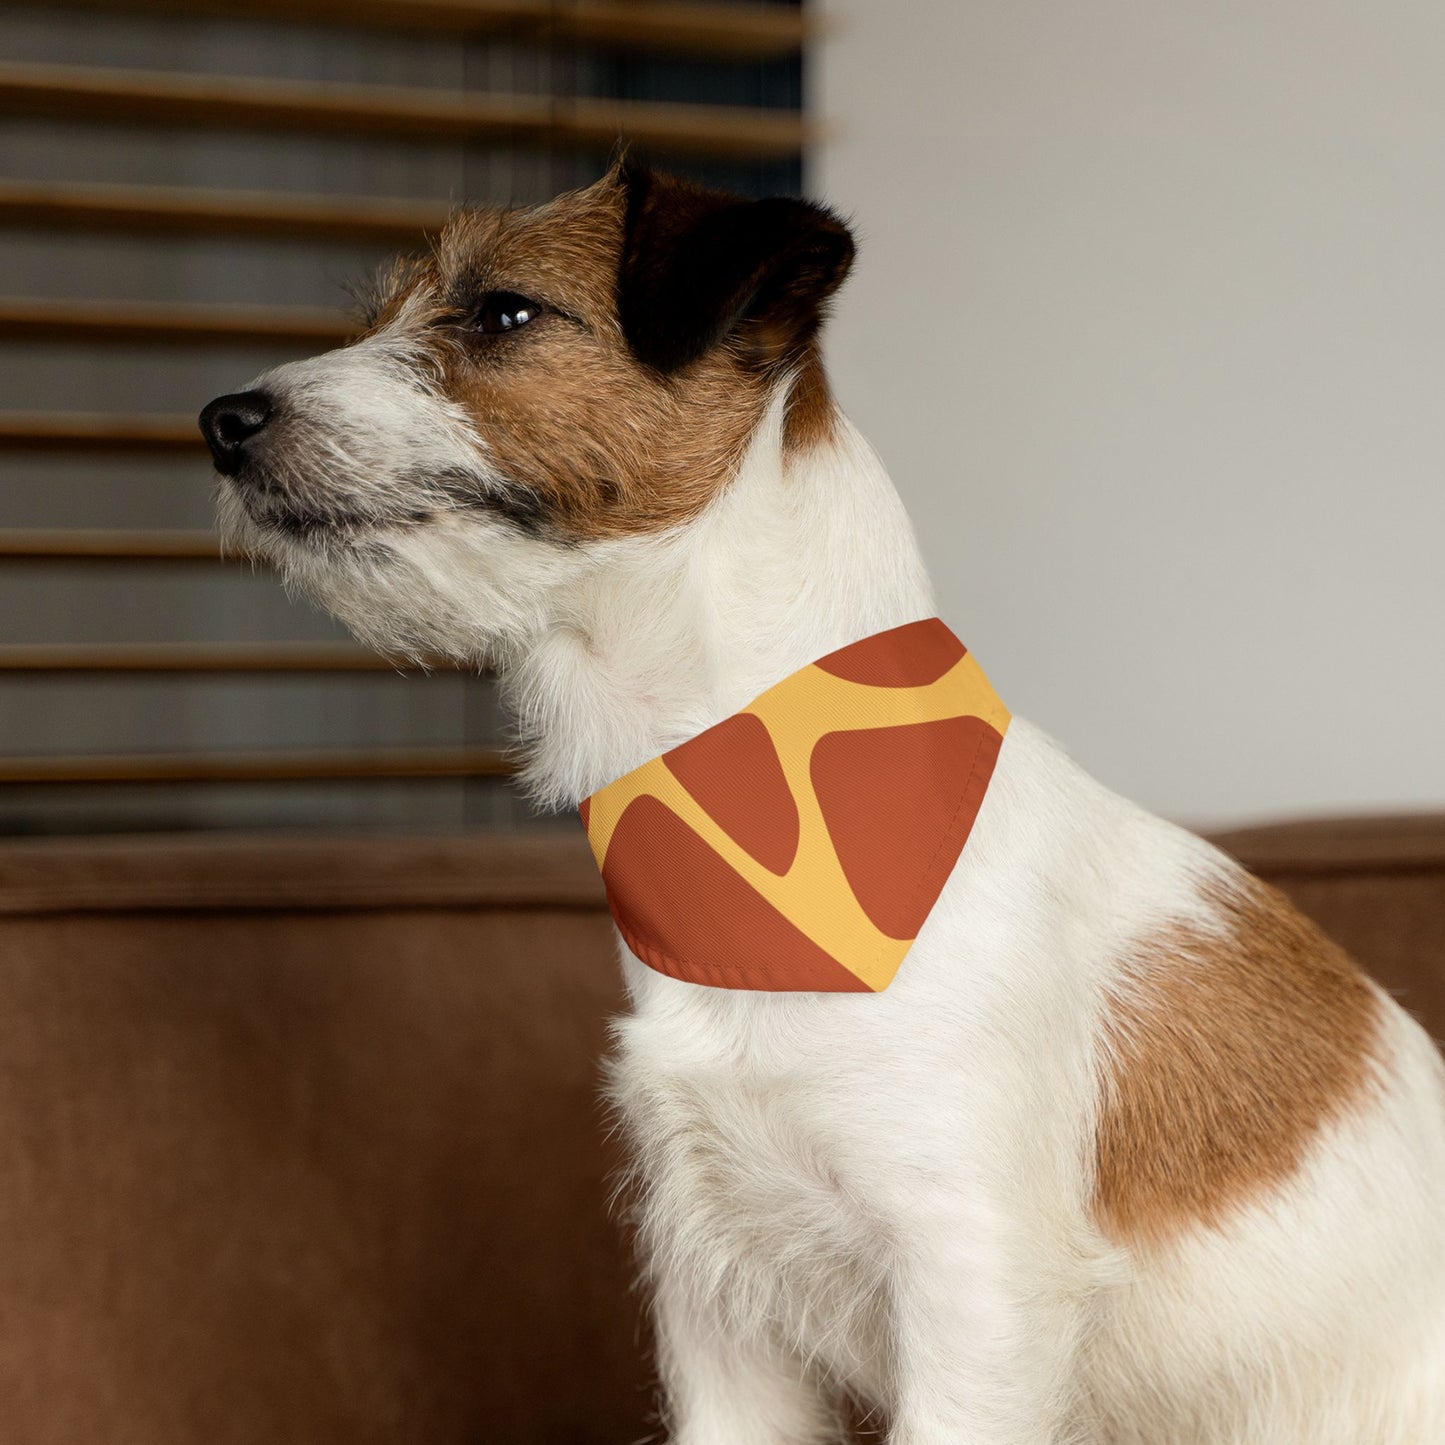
{"x":504,"y":311}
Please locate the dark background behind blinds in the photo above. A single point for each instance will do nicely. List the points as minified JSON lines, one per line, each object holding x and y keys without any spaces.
{"x":130,"y":602}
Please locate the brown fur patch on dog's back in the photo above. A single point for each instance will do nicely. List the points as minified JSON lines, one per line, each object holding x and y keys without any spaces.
{"x":1227,"y":1052}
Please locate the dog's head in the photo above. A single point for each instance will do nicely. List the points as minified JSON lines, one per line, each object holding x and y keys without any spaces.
{"x":545,"y":382}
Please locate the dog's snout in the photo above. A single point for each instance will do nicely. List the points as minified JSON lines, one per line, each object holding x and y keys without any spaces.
{"x":229,"y":422}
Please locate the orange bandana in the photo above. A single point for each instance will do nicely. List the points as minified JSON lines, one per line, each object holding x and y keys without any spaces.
{"x":801,"y":843}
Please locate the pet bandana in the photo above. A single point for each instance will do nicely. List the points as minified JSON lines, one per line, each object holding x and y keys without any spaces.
{"x":800,"y":844}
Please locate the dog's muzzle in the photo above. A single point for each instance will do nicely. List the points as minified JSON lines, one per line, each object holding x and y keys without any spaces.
{"x":232,"y":422}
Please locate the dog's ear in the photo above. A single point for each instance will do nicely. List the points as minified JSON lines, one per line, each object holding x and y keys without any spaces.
{"x":699,"y":266}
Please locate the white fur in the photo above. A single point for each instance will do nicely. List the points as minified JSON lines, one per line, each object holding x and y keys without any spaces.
{"x":889,"y":1193}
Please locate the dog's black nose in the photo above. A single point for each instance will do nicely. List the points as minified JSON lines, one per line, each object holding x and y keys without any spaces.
{"x":229,"y":422}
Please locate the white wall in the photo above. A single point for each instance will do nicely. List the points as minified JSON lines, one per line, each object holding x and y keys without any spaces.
{"x":1149,"y":324}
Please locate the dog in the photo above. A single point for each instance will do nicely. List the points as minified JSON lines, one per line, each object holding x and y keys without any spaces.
{"x":1126,"y":1153}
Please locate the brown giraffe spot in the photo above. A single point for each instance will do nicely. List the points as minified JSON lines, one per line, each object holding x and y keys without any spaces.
{"x":676,"y":887}
{"x":1226,"y":1053}
{"x":913,"y":655}
{"x":899,"y":803}
{"x":734,"y":773}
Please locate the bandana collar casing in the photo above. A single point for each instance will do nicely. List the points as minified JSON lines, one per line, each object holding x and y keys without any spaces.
{"x":800,"y":844}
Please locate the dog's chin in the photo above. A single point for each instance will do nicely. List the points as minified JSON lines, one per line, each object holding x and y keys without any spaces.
{"x":241,"y":534}
{"x":336,"y":559}
{"x":455,"y":586}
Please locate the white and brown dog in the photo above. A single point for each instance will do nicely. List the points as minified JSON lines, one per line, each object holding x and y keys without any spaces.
{"x":1127,"y":1152}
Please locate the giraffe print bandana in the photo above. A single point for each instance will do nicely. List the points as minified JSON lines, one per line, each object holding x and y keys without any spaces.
{"x":800,"y":844}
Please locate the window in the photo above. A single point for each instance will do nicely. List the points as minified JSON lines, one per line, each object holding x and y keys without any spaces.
{"x":185,"y":193}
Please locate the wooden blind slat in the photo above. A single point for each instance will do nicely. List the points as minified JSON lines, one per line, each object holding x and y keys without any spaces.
{"x":172,"y":211}
{"x":328,"y":765}
{"x":755,"y":32}
{"x":77,"y":431}
{"x":82,"y":544}
{"x":172,"y":323}
{"x":760,"y":33}
{"x":218,"y":102}
{"x":171,"y":657}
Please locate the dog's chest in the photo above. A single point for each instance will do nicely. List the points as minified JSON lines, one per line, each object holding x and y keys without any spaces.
{"x":746,"y":1188}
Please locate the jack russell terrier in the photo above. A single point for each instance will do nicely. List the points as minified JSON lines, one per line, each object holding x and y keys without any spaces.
{"x":956,"y":1085}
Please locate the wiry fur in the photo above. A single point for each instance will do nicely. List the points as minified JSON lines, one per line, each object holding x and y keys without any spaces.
{"x":894,"y":1195}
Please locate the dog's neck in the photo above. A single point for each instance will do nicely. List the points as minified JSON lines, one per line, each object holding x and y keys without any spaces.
{"x":665,"y":636}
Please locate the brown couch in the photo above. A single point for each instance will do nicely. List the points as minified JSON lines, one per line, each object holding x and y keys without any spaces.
{"x":301,"y":1140}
